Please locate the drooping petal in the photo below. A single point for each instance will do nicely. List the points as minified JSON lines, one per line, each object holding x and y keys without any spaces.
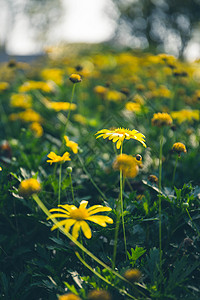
{"x":118,"y":145}
{"x":100,"y":220}
{"x":69,"y":223}
{"x":86,"y":229}
{"x":75,"y":230}
{"x":68,"y":207}
{"x":59,"y":224}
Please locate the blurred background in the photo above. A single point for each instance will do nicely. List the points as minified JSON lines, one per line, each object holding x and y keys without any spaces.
{"x":28,"y":26}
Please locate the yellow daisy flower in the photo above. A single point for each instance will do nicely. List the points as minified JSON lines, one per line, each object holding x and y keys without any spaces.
{"x":28,"y":187}
{"x":178,"y":148}
{"x":161,"y":119}
{"x":77,"y":217}
{"x":75,"y":78}
{"x":72,"y":145}
{"x":120,"y":134}
{"x":54,"y":158}
{"x":128,"y":164}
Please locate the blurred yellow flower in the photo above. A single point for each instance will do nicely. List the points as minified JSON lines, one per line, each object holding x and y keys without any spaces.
{"x":115,"y":96}
{"x":128,"y":164}
{"x":120,"y":134}
{"x":179,"y":148}
{"x":161,"y":119}
{"x":21,"y":100}
{"x":4,"y":86}
{"x":133,"y":275}
{"x":62,"y":106}
{"x":80,"y":119}
{"x":132,"y":106}
{"x":37,"y":129}
{"x":28,"y":187}
{"x":54,"y":158}
{"x":72,"y":145}
{"x":185,"y":115}
{"x":100,"y":90}
{"x":55,"y":75}
{"x":36,"y":85}
{"x":75,"y":78}
{"x":28,"y":115}
{"x":99,"y":295}
{"x":69,"y":296}
{"x":77,"y":217}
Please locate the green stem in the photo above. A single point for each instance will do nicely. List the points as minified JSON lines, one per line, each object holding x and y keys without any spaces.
{"x":122,"y":208}
{"x":59,"y":183}
{"x":59,"y":189}
{"x":159,"y":196}
{"x":103,"y":278}
{"x":72,"y":189}
{"x":65,"y":232}
{"x":174,"y":172}
{"x":89,"y":176}
{"x":68,"y":115}
{"x":116,"y":236}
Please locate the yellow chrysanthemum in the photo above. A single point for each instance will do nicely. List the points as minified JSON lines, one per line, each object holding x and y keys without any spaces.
{"x":77,"y":217}
{"x":72,"y":145}
{"x":69,"y":296}
{"x":128,"y":164}
{"x":54,"y":158}
{"x":62,"y":106}
{"x":75,"y":78}
{"x":37,"y":129}
{"x":179,"y":148}
{"x":120,"y":134}
{"x":0,"y":168}
{"x":21,"y":100}
{"x":161,"y":119}
{"x":36,"y":85}
{"x":28,"y":187}
{"x":28,"y":115}
{"x":133,"y":275}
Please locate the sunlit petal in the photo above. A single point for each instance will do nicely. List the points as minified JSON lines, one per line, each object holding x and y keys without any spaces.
{"x":86,"y":229}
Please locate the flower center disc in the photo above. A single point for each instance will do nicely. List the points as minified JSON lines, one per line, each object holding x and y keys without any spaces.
{"x":79,"y":214}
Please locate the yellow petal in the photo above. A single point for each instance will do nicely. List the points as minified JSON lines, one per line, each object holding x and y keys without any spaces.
{"x":100,"y":220}
{"x":53,"y":216}
{"x":83,"y":204}
{"x":86,"y":229}
{"x":75,"y":230}
{"x":118,"y":145}
{"x":59,"y":224}
{"x":59,"y":210}
{"x":100,"y":209}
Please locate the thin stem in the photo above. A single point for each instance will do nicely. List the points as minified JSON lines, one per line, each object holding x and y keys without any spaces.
{"x":174,"y":172}
{"x":65,"y":232}
{"x":122,"y":208}
{"x":72,"y":189}
{"x":159,"y":196}
{"x":59,"y":183}
{"x":59,"y":189}
{"x":68,"y":115}
{"x":101,"y":277}
{"x":116,"y":236}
